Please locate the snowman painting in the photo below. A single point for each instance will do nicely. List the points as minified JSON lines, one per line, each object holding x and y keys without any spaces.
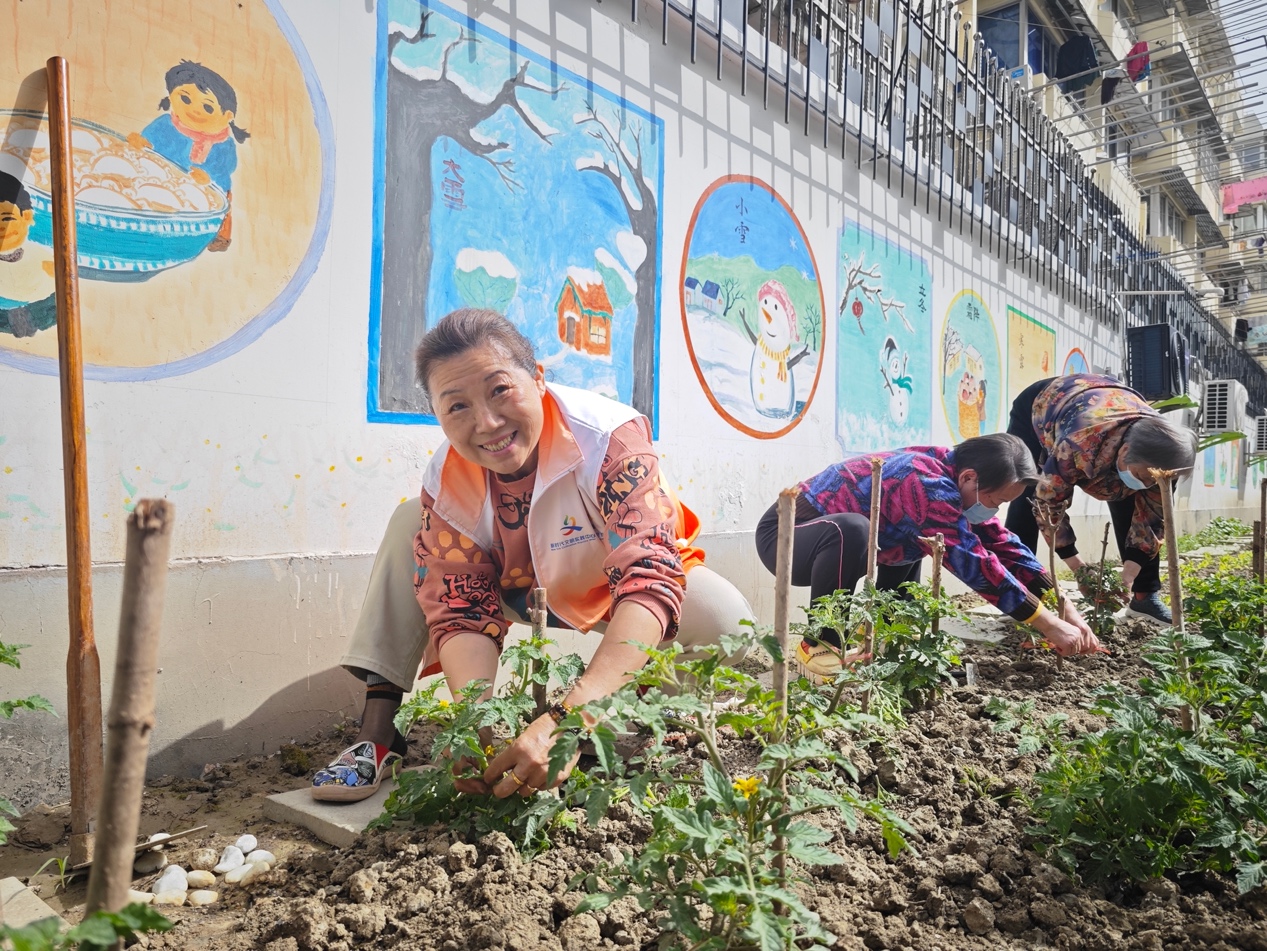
{"x":770,"y":372}
{"x":893,"y":370}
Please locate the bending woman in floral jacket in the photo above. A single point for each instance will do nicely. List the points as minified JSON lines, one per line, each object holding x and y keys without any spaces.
{"x":1093,"y":432}
{"x":924,"y":490}
{"x":538,"y":485}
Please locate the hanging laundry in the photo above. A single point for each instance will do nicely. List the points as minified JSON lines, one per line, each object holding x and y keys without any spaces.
{"x":1075,"y":64}
{"x":1138,"y":63}
{"x":1108,"y":88}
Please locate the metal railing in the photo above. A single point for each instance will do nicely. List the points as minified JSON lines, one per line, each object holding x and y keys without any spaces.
{"x":909,"y":90}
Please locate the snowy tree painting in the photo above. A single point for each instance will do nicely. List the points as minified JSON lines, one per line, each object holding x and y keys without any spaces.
{"x":510,"y":183}
{"x":884,"y":331}
{"x":752,"y":305}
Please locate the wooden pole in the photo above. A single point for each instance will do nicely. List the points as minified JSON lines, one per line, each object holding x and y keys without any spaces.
{"x":537,"y":614}
{"x":1164,"y":479}
{"x":1050,"y":518}
{"x":83,"y":667}
{"x":873,"y":553}
{"x":1262,"y":532}
{"x":131,"y":719}
{"x":1256,"y":549}
{"x":782,"y":609}
{"x":938,"y":544}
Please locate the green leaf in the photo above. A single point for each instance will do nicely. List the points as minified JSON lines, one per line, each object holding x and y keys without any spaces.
{"x":95,"y":930}
{"x":605,"y":748}
{"x":717,"y":785}
{"x":9,"y":654}
{"x":43,"y":935}
{"x":1216,"y":439}
{"x":596,"y":803}
{"x":595,"y":902}
{"x":765,"y":930}
{"x":143,"y":918}
{"x":1249,"y":877}
{"x":36,"y":702}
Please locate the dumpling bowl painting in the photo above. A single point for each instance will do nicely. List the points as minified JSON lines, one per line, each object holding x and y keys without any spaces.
{"x":136,"y":213}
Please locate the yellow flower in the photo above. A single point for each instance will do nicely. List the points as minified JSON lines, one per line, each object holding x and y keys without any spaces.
{"x":442,"y":704}
{"x":747,"y":785}
{"x":489,"y":751}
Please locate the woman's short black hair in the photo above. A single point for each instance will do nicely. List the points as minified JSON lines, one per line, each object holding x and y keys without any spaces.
{"x":471,"y":328}
{"x":999,"y":459}
{"x":12,"y":191}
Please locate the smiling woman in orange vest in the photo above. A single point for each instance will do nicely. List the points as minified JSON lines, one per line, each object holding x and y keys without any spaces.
{"x":537,"y":485}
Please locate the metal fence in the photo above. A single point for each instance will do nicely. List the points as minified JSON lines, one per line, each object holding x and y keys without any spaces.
{"x":908,"y":89}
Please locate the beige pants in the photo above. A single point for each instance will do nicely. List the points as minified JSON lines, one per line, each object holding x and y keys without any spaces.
{"x":391,"y":633}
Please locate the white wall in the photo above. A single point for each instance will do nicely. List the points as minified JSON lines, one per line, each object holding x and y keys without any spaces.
{"x":281,"y":486}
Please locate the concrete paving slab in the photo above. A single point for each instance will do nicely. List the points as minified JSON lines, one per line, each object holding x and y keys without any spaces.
{"x":338,"y":823}
{"x":979,"y":630}
{"x":21,"y":905}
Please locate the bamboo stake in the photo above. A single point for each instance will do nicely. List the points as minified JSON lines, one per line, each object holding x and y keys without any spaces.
{"x":1262,"y":532}
{"x":782,"y":599}
{"x":873,"y":553}
{"x":1164,"y":479}
{"x":131,"y":719}
{"x":1050,"y":517}
{"x":1256,"y":548}
{"x":1104,"y":554}
{"x":537,"y":615}
{"x":83,"y":666}
{"x":938,"y":545}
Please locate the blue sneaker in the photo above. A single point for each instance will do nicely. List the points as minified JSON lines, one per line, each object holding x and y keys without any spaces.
{"x":1151,"y":608}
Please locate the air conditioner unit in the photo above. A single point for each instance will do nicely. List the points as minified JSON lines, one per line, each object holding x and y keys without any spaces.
{"x":1260,"y":435}
{"x":1156,"y":361}
{"x":1223,"y":406}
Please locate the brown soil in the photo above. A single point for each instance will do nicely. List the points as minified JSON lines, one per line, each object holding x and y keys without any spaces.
{"x":971,"y":881}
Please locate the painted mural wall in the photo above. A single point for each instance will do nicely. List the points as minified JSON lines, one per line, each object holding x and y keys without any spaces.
{"x":276,"y":199}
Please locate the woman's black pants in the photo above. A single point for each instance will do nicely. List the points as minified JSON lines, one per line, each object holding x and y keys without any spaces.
{"x":1020,"y":514}
{"x":829,"y":554}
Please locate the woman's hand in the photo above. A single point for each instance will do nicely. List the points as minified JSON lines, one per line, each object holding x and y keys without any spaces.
{"x":1070,"y":615}
{"x":465,"y":766}
{"x":524,"y":766}
{"x":1065,"y":638}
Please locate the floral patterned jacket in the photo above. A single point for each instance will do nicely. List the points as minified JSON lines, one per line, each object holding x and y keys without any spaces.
{"x":919,"y":498}
{"x":1082,"y":421}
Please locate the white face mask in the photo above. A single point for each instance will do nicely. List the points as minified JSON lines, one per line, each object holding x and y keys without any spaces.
{"x":976,"y":513}
{"x":1129,"y":480}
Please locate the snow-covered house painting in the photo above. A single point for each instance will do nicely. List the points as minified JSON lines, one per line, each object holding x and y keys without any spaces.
{"x":507,"y":136}
{"x":585,"y":312}
{"x":690,"y":291}
{"x":752,"y":307}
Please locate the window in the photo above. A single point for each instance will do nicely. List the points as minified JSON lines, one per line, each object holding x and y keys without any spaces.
{"x":1165,"y":219}
{"x":1001,"y":30}
{"x":598,"y":331}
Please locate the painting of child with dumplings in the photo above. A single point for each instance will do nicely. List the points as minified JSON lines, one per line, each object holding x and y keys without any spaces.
{"x":196,"y":132}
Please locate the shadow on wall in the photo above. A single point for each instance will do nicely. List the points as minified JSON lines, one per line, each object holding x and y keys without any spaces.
{"x":295,"y":711}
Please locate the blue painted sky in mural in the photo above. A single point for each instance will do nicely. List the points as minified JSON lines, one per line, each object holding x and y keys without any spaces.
{"x":555,"y":217}
{"x":771,"y":238}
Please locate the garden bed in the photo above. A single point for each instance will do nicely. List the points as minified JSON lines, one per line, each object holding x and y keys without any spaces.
{"x":971,"y":877}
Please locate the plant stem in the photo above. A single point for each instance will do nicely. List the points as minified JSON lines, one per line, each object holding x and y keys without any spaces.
{"x":873,"y":552}
{"x":1100,"y":593}
{"x":1165,"y":478}
{"x":537,"y":614}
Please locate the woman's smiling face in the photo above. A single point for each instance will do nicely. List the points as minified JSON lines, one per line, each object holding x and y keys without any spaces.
{"x":490,"y":409}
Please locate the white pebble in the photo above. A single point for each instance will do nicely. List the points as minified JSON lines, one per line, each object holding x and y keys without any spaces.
{"x":203,"y":859}
{"x":200,"y":878}
{"x":149,"y":862}
{"x":158,"y":838}
{"x":172,"y":880}
{"x":203,"y":897}
{"x":261,"y":855}
{"x":247,"y":843}
{"x":170,"y":898}
{"x":234,"y":876}
{"x":139,"y":898}
{"x":255,"y":871}
{"x":230,"y":859}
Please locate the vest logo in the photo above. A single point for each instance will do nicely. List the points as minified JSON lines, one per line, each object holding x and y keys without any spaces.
{"x":574,"y":533}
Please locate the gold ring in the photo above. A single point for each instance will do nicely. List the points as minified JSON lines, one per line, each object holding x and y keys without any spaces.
{"x":530,"y":789}
{"x":515,"y":776}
